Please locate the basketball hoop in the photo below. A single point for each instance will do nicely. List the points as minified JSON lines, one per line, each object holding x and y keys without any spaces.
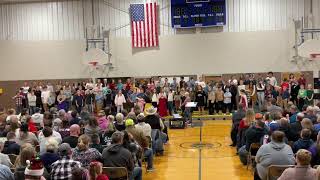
{"x":93,"y":64}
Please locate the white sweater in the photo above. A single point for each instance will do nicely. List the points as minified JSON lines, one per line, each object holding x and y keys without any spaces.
{"x":119,"y":100}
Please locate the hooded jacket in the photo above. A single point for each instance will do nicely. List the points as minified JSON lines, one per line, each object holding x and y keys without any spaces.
{"x":254,"y":135}
{"x":273,"y":153}
{"x":117,"y":156}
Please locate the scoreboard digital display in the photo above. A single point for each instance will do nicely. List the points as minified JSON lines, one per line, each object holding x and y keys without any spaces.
{"x":198,"y":13}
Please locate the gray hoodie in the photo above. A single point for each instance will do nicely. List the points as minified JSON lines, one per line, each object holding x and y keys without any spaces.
{"x":273,"y":154}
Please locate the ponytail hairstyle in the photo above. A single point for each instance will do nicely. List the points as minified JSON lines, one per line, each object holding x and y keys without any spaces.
{"x":83,"y":142}
{"x":95,"y":169}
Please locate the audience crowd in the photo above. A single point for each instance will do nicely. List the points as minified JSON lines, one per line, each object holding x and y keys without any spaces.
{"x":71,"y":131}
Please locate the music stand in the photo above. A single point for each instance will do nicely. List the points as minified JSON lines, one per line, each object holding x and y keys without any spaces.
{"x":191,"y":105}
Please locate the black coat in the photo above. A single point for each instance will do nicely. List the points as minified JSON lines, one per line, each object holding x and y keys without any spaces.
{"x":294,"y":131}
{"x":11,"y":147}
{"x":117,"y":156}
{"x":254,"y":135}
{"x":154,"y":121}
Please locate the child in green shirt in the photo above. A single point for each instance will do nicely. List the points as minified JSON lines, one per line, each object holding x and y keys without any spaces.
{"x":302,"y":96}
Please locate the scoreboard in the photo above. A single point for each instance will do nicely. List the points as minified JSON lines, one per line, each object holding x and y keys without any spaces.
{"x":198,"y":13}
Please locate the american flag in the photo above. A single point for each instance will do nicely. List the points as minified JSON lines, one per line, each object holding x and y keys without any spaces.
{"x":144,"y":26}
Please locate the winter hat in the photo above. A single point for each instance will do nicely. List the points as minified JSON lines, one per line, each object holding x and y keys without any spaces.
{"x":129,"y":122}
{"x":34,"y":167}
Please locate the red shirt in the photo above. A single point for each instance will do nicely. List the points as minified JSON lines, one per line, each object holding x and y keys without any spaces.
{"x":242,"y":125}
{"x":32,"y":127}
{"x":302,"y":81}
{"x":112,"y":86}
{"x":283,"y":85}
{"x":128,"y":86}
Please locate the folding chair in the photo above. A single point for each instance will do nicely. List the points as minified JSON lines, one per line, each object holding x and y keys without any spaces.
{"x":119,"y":173}
{"x":254,"y":147}
{"x":12,"y":158}
{"x":275,"y":171}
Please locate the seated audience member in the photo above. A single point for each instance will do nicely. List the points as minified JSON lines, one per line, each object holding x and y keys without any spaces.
{"x":38,"y":117}
{"x":10,"y":146}
{"x":305,"y":142}
{"x":253,"y":135}
{"x":119,"y":124}
{"x":237,"y":116}
{"x":317,"y":125}
{"x":277,"y":152}
{"x":310,"y":114}
{"x":51,"y":154}
{"x":55,"y":134}
{"x":92,"y":127}
{"x":95,"y":143}
{"x":80,"y":174}
{"x":74,"y":118}
{"x":102,"y":120}
{"x":34,"y":170}
{"x":58,"y":121}
{"x":84,"y":114}
{"x":47,"y":119}
{"x":83,"y":153}
{"x":315,"y":151}
{"x":117,"y":156}
{"x":284,"y":127}
{"x":295,"y":128}
{"x":106,"y":136}
{"x":62,"y":169}
{"x":294,"y":112}
{"x":274,"y":123}
{"x":64,"y":128}
{"x":11,"y":113}
{"x":144,"y":127}
{"x":136,"y":133}
{"x":26,"y":137}
{"x":27,"y":153}
{"x":31,"y":125}
{"x":133,"y":116}
{"x":302,"y":171}
{"x":6,"y":173}
{"x":95,"y":171}
{"x":141,"y":139}
{"x":307,"y":124}
{"x":47,"y":133}
{"x":74,"y":135}
{"x":274,"y":108}
{"x":4,"y":158}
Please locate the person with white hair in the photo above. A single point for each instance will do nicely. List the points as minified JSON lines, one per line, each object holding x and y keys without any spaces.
{"x":119,"y":124}
{"x":51,"y":154}
{"x":144,"y":127}
{"x":58,"y":121}
{"x":310,"y":114}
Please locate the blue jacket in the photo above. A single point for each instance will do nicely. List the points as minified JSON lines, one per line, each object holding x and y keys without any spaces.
{"x":293,"y":118}
{"x":302,"y":144}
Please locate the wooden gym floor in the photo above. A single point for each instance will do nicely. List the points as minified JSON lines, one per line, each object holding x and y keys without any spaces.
{"x":181,"y":162}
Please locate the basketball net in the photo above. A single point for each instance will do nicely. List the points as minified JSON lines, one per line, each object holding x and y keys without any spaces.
{"x":94,"y":68}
